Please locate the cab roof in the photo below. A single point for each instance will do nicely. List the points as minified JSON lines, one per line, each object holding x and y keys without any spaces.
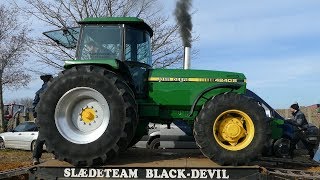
{"x":132,"y":21}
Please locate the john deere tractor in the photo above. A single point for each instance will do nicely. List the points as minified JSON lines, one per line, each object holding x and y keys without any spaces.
{"x":102,"y":102}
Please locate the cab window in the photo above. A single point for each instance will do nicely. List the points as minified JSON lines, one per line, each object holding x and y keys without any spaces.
{"x":100,"y":42}
{"x":137,"y":46}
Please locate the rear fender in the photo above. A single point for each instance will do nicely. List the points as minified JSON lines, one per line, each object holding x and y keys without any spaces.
{"x":270,"y":112}
{"x":115,"y":66}
{"x":157,"y":133}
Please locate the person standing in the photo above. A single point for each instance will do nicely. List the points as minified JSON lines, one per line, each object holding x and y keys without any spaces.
{"x":300,"y":122}
{"x":37,"y":151}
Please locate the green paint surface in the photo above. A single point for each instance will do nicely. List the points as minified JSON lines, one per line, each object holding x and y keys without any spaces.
{"x":119,"y":20}
{"x":276,"y":127}
{"x":131,"y":21}
{"x":110,"y":62}
{"x":174,"y":99}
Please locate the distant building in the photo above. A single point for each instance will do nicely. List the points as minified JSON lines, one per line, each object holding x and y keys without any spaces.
{"x":312,"y":113}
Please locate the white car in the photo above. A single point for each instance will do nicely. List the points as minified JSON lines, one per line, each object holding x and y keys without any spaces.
{"x":177,"y":135}
{"x":23,"y":136}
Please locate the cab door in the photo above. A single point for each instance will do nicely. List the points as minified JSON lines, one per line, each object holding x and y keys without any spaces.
{"x":137,"y":58}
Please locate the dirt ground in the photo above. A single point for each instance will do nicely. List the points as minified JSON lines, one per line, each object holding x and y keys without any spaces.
{"x":11,"y":159}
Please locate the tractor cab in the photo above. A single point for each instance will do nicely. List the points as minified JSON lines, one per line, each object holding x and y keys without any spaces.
{"x":124,"y":39}
{"x":113,"y":41}
{"x":11,"y":109}
{"x":15,"y":114}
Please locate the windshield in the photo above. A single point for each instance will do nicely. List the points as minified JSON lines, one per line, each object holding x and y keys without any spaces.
{"x":138,"y":46}
{"x":100,"y":42}
{"x":67,"y":37}
{"x":26,"y":126}
{"x":17,"y":108}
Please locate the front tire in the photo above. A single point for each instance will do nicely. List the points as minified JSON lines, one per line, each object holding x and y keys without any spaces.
{"x":87,"y":115}
{"x":231,"y":129}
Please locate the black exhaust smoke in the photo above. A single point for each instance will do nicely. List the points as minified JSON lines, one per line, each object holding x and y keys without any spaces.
{"x":183,"y":18}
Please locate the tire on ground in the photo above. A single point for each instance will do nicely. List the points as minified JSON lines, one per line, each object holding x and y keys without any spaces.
{"x":219,"y":109}
{"x":92,"y":139}
{"x":154,"y":144}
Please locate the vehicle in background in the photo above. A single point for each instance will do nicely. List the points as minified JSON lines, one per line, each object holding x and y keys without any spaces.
{"x":153,"y":134}
{"x":14,"y":114}
{"x":23,"y":136}
{"x":176,"y":135}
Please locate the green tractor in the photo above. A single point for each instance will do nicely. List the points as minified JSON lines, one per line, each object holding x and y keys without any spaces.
{"x":103,"y":101}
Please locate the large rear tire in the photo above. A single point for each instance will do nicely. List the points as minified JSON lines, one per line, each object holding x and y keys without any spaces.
{"x":231,"y":129}
{"x":87,"y":115}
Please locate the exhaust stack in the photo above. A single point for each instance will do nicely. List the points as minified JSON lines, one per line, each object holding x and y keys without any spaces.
{"x":186,"y":60}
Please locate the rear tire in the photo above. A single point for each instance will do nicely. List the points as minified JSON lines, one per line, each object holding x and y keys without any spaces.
{"x":231,"y":129}
{"x":155,"y":144}
{"x":87,"y":115}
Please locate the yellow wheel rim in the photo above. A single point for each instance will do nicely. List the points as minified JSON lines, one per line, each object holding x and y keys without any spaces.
{"x":233,"y":130}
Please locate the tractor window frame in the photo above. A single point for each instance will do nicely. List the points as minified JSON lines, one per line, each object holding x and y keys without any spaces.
{"x":81,"y":40}
{"x":66,"y":37}
{"x":146,"y":35}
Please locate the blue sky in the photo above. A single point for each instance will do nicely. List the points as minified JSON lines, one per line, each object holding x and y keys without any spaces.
{"x":276,"y":44}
